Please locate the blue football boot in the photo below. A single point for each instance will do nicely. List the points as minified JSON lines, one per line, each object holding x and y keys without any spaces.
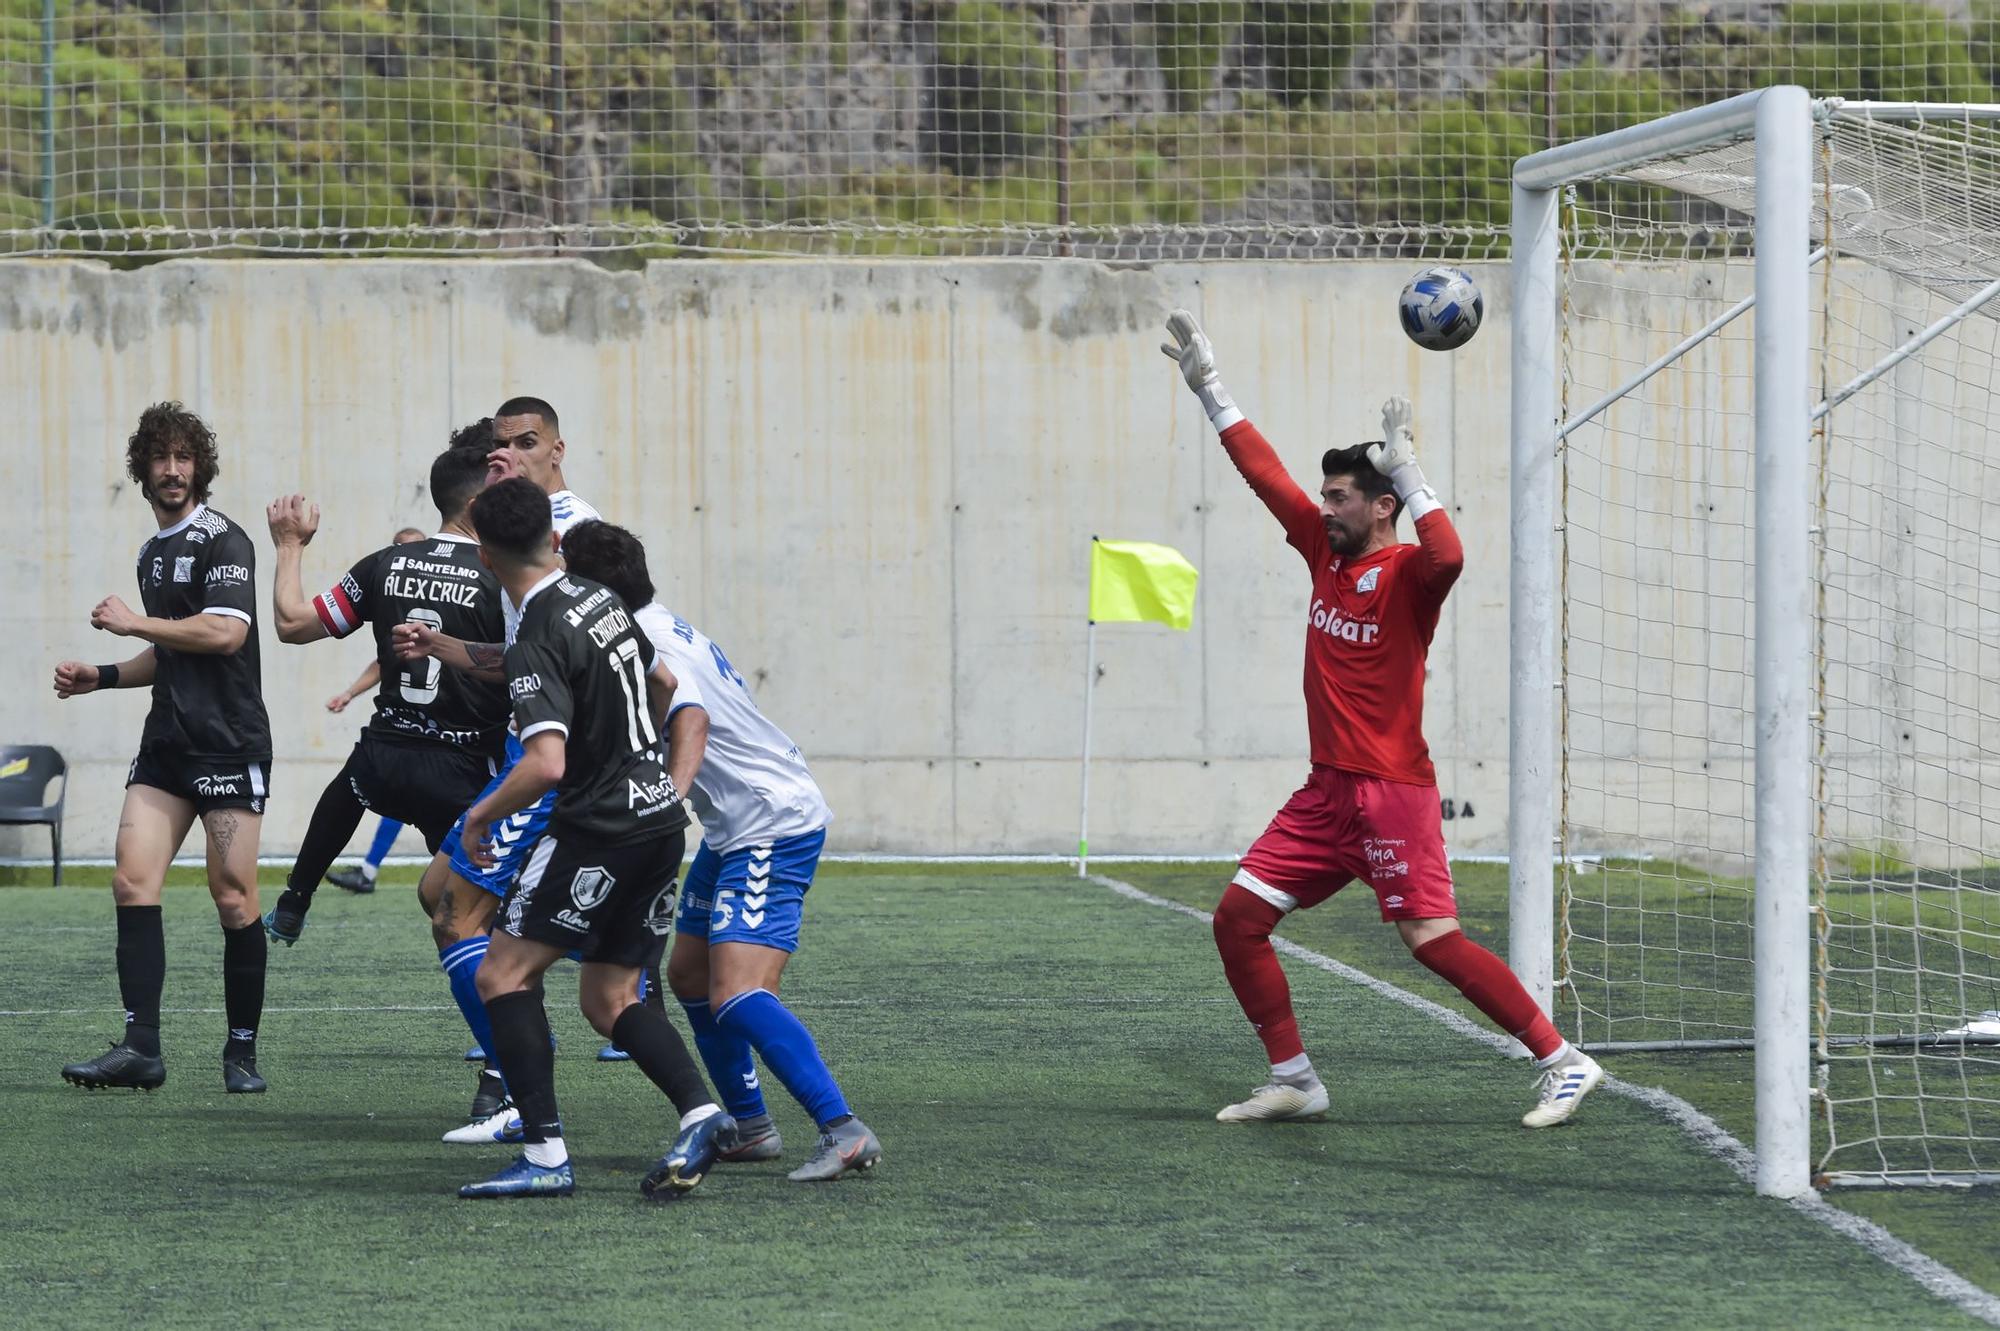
{"x":287,"y":920}
{"x":523,"y":1179}
{"x":693,"y":1153}
{"x":611,"y":1053}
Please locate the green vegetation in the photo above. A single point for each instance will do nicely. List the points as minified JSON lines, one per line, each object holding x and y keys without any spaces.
{"x":1042,"y":1059}
{"x":664,"y":120}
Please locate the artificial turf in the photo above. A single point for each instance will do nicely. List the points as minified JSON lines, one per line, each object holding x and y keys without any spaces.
{"x":1042,"y":1060}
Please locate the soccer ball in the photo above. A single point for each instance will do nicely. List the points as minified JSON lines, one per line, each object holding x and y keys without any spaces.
{"x":1441,"y":309}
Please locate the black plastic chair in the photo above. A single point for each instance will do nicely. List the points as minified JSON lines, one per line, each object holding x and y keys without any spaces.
{"x":25,"y":773}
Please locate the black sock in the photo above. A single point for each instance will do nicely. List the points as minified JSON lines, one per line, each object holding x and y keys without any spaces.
{"x":142,"y":973}
{"x":334,"y":819}
{"x":521,"y":1041}
{"x":243,"y":955}
{"x":661,"y":1054}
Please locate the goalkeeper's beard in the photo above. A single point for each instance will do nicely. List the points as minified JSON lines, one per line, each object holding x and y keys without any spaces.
{"x":1344,"y":543}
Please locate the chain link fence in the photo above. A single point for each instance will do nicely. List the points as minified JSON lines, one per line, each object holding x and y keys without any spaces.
{"x":1137,"y":129}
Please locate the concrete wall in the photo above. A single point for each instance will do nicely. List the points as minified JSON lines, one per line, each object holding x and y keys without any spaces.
{"x":875,"y":483}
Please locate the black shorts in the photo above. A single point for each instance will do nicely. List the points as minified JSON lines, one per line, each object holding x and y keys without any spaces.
{"x":424,"y":784}
{"x":612,"y":904}
{"x":207,"y":783}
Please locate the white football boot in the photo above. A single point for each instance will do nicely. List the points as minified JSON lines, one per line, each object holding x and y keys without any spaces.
{"x":502,"y":1129}
{"x":1562,"y":1090}
{"x":1277,"y":1100}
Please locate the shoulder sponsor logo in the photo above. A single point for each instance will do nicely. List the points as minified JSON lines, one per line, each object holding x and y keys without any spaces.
{"x":524,"y":686}
{"x":184,"y":568}
{"x":1366,"y":582}
{"x":590,"y":886}
{"x":227,"y":575}
{"x":1328,"y":620}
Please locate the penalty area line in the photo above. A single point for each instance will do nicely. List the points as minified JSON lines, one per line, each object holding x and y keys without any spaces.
{"x":1705,"y":1132}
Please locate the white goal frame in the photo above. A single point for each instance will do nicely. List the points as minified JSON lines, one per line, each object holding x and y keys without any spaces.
{"x":1781,"y":121}
{"x":1780,"y":124}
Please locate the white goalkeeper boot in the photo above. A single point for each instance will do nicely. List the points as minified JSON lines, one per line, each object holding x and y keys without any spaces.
{"x":1563,"y":1086}
{"x":1278,"y":1100}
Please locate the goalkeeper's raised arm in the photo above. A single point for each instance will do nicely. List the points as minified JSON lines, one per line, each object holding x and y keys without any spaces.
{"x":1252,"y":454}
{"x":1441,"y":556}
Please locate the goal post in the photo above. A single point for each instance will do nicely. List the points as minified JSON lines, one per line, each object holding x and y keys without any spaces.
{"x":1754,"y":736}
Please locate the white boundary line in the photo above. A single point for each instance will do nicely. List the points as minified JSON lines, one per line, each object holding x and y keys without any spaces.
{"x":1712,"y":1137}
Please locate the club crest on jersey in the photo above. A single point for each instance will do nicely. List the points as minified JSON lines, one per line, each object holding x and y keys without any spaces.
{"x":183,"y":568}
{"x":590,"y":886}
{"x":1366,"y":582}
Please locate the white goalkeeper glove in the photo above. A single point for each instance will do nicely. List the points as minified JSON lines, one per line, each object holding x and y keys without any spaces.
{"x":1397,"y":459}
{"x":1196,"y":355}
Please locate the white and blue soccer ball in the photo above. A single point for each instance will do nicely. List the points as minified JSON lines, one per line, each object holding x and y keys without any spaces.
{"x":1441,"y":309}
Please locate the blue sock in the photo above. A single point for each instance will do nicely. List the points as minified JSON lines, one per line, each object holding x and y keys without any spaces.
{"x":727,"y":1058}
{"x":788,"y":1050}
{"x":385,"y":836}
{"x":461,"y":964}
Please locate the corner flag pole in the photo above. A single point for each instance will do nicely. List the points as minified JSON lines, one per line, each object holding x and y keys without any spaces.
{"x":1089,"y":678}
{"x":1130,"y":582}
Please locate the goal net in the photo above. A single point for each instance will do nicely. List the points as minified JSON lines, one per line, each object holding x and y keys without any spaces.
{"x":1656,"y":551}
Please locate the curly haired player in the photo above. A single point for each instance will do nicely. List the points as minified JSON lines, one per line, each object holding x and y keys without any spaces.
{"x":205,"y":752}
{"x":1370,"y":808}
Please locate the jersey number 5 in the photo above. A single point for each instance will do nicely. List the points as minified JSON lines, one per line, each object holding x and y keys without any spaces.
{"x":417,"y":681}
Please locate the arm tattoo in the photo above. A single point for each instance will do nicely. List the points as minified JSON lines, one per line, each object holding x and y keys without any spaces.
{"x":486,"y":655}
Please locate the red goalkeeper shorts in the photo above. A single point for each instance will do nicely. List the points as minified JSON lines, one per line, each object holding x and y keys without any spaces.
{"x":1341,"y":826}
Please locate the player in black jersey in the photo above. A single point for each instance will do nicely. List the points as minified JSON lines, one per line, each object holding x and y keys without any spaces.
{"x":431,"y":745}
{"x":205,"y":751}
{"x":589,"y":699}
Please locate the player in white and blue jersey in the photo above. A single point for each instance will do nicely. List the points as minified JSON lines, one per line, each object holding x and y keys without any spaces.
{"x":763,"y":822}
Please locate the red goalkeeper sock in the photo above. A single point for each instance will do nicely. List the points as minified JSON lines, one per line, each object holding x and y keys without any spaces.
{"x":1243,"y":924}
{"x":1485,"y":980}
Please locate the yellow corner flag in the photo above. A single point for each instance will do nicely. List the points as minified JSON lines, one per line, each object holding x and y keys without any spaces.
{"x":1137,"y":580}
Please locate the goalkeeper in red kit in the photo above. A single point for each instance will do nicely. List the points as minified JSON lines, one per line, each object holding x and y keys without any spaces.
{"x":1370,"y":808}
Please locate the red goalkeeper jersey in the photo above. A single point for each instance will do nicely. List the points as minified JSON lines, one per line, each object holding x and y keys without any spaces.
{"x":1368,"y":627}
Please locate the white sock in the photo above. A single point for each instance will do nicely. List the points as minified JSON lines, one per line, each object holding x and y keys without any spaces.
{"x":368,"y":871}
{"x":548,"y":1154}
{"x":1560,"y":1055}
{"x":1298,"y":1068}
{"x":694,"y":1116}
